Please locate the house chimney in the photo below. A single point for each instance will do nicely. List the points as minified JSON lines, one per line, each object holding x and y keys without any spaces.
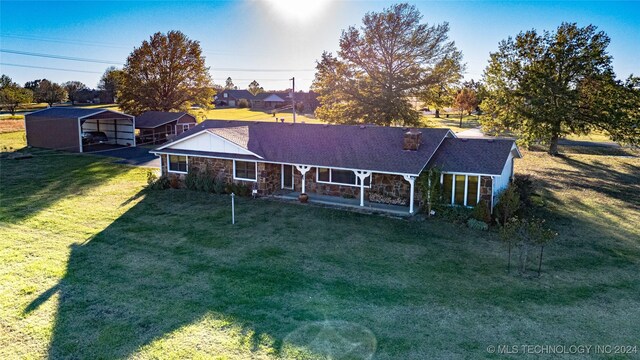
{"x":412,"y":140}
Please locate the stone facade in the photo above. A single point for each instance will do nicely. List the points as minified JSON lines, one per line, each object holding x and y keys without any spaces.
{"x":268,"y":174}
{"x":485,"y":189}
{"x":385,"y":188}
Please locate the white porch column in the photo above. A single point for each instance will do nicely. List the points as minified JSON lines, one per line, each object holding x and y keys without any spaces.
{"x":303,"y":170}
{"x":412,"y":181}
{"x":362,"y":175}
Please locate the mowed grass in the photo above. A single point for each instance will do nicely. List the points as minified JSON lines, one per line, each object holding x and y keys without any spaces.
{"x":253,"y":115}
{"x":95,"y":267}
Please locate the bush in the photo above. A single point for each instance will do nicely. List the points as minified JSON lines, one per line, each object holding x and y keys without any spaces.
{"x":238,"y":189}
{"x":157,"y":183}
{"x":191,"y":180}
{"x":482,"y":212}
{"x":456,"y":214}
{"x":477,"y":225}
{"x":243,"y":104}
{"x":524,"y":186}
{"x":508,"y":203}
{"x":219,"y":185}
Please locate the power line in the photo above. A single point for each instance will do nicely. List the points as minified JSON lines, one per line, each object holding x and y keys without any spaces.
{"x":50,"y":68}
{"x":64,"y":41}
{"x":61,"y":57}
{"x":99,"y":61}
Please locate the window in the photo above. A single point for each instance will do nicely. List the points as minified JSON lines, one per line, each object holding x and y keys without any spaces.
{"x":185,"y":127}
{"x":323,"y":174}
{"x":447,"y":187}
{"x":458,"y":198}
{"x":340,"y":177}
{"x":460,"y":189}
{"x":472,"y":190}
{"x":178,"y":164}
{"x":245,"y":170}
{"x":225,"y":95}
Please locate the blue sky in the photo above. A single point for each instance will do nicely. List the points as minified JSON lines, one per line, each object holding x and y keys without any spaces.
{"x":256,"y":39}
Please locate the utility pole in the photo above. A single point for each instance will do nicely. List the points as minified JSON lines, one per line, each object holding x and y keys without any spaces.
{"x":293,"y":99}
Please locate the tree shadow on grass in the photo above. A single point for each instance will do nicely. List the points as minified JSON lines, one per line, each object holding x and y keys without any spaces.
{"x":150,"y":273}
{"x":174,"y":259}
{"x":31,"y":185}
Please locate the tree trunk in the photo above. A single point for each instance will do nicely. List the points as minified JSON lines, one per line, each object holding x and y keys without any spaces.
{"x":437,"y":113}
{"x":461,"y":113}
{"x":553,"y":146}
{"x":540,"y":263}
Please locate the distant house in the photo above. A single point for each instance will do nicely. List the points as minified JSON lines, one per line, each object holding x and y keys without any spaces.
{"x":155,"y":126}
{"x":370,"y":163}
{"x":232,"y":97}
{"x":267,"y":100}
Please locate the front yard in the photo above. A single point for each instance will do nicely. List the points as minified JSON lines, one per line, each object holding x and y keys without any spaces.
{"x":95,"y":267}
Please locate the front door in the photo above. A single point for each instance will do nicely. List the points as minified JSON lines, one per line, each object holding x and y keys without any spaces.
{"x":287,"y":176}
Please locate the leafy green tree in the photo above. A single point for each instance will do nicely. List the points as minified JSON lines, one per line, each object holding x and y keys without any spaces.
{"x":507,"y":204}
{"x":12,"y":96}
{"x":32,"y":85}
{"x":255,"y":88}
{"x":5,"y":81}
{"x":50,"y":92}
{"x":466,"y":101}
{"x":546,"y":86}
{"x":165,"y":73}
{"x":229,"y":85}
{"x":379,"y":66}
{"x":72,"y":88}
{"x":441,"y":93}
{"x":111,"y":83}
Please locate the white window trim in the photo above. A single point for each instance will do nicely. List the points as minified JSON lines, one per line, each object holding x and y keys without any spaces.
{"x":255,"y":163}
{"x":293,"y":182}
{"x":330,"y":182}
{"x":466,"y":187}
{"x":175,"y":171}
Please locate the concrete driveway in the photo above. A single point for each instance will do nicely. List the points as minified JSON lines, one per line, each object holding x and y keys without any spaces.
{"x":136,"y":156}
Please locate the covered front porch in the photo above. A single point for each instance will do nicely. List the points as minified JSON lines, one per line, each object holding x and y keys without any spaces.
{"x":394,"y":193}
{"x":350,"y":203}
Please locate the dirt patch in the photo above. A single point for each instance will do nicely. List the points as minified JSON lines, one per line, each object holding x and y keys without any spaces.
{"x":11,"y":126}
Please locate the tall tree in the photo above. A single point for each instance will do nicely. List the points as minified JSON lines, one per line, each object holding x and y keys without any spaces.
{"x":111,"y":83}
{"x":379,"y":66}
{"x":72,"y":88}
{"x":255,"y":88}
{"x":32,"y":85}
{"x":441,"y":93}
{"x":545,"y":86}
{"x":12,"y":96}
{"x":50,"y":92}
{"x":165,"y":73}
{"x":229,"y":85}
{"x":466,"y":101}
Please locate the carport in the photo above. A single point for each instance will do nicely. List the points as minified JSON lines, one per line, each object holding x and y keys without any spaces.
{"x":61,"y":128}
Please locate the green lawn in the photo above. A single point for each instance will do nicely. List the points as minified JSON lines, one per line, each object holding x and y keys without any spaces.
{"x":95,"y":267}
{"x":251,"y":115}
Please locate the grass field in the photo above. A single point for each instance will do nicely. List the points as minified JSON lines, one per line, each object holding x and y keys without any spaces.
{"x":96,"y":267}
{"x":252,"y":115}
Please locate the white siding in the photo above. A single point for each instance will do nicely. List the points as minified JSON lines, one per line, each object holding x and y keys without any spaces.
{"x":206,"y":141}
{"x":501,"y":182}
